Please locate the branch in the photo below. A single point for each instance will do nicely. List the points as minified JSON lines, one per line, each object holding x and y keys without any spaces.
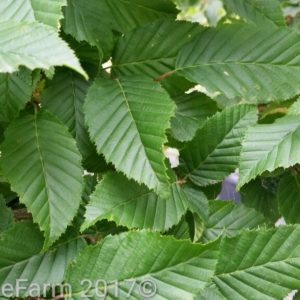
{"x":22,"y":214}
{"x":163,"y":76}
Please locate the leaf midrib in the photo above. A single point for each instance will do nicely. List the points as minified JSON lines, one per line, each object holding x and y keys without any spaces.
{"x":153,"y":273}
{"x":249,"y":170}
{"x":43,"y":170}
{"x":142,"y":61}
{"x":219,"y":144}
{"x":136,"y":128}
{"x":211,"y":64}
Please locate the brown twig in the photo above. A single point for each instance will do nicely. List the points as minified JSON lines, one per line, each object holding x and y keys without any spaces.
{"x":58,"y":297}
{"x":22,"y":214}
{"x":181,"y":181}
{"x":91,"y":238}
{"x":163,"y":76}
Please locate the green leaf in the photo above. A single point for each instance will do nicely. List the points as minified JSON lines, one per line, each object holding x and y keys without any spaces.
{"x":125,"y":15}
{"x":33,"y":45}
{"x":89,"y":23}
{"x":228,"y":218}
{"x":42,"y":163}
{"x":127,"y":120}
{"x":260,"y":194}
{"x":294,"y":109}
{"x":192,"y":111}
{"x":265,"y":264}
{"x":21,"y":259}
{"x":288,"y":198}
{"x":267,"y":147}
{"x":177,"y":269}
{"x":151,"y":49}
{"x":5,"y":190}
{"x":119,"y":199}
{"x":181,"y":231}
{"x":6,"y":215}
{"x":64,"y":97}
{"x":257,"y":64}
{"x":96,"y":21}
{"x":210,"y":293}
{"x":258,"y":12}
{"x":48,"y":12}
{"x":214,"y":152}
{"x":90,"y":182}
{"x":196,"y":200}
{"x":176,"y":85}
{"x":15,"y":92}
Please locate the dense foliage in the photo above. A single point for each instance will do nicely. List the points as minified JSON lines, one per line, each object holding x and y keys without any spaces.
{"x":98,"y":98}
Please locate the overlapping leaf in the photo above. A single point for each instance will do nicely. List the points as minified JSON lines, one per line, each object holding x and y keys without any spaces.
{"x":33,"y":45}
{"x":48,"y":12}
{"x":176,"y":269}
{"x":64,"y":96}
{"x":191,"y":113}
{"x":23,"y":263}
{"x":128,"y":14}
{"x":257,"y":64}
{"x":6,"y":216}
{"x":95,"y":22}
{"x":150,"y":49}
{"x":214,"y":152}
{"x":228,"y":218}
{"x":42,"y":163}
{"x":124,"y":201}
{"x":258,"y":12}
{"x":288,"y":198}
{"x":127,"y":120}
{"x":294,"y":109}
{"x":15,"y":91}
{"x":269,"y":146}
{"x":260,"y":194}
{"x":265,"y":264}
{"x":197,"y":201}
{"x":89,"y":23}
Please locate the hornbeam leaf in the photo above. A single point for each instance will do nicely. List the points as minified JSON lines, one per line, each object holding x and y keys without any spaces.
{"x":125,"y":15}
{"x":181,"y":231}
{"x":257,"y":64}
{"x":127,"y":120}
{"x":211,"y":292}
{"x":229,"y":218}
{"x":214,"y":152}
{"x":6,"y":215}
{"x":15,"y":92}
{"x":294,"y":109}
{"x":258,"y":12}
{"x":176,"y":269}
{"x":42,"y":163}
{"x":33,"y":45}
{"x":96,"y":22}
{"x":267,"y":147}
{"x":64,"y":97}
{"x":265,"y":264}
{"x":191,"y":113}
{"x":23,"y":263}
{"x":197,"y":201}
{"x":260,"y":194}
{"x":151,"y":49}
{"x":48,"y":12}
{"x":288,"y":198}
{"x":90,"y":23}
{"x":119,"y":199}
